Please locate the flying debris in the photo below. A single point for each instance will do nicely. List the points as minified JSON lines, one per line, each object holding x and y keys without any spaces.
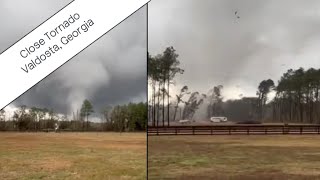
{"x":235,"y":13}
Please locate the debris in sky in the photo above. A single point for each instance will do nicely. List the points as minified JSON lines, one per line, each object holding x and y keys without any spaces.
{"x":235,"y":13}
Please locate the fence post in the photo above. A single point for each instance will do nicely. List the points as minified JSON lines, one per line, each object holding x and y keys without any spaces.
{"x":193,"y":130}
{"x":211,"y":130}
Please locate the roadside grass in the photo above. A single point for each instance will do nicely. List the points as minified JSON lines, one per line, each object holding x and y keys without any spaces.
{"x":234,"y":157}
{"x":72,"y":156}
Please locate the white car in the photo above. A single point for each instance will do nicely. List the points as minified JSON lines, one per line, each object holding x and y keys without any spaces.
{"x":218,"y":119}
{"x":184,"y":121}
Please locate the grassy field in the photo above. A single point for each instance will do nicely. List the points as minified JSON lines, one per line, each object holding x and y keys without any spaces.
{"x":234,"y":157}
{"x":72,"y":156}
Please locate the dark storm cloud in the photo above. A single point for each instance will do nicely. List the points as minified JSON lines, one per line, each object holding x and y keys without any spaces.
{"x":216,"y":47}
{"x":120,"y":91}
{"x":110,"y":71}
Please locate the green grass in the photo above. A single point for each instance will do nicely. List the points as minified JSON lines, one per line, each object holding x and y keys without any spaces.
{"x":234,"y":157}
{"x":72,"y":156}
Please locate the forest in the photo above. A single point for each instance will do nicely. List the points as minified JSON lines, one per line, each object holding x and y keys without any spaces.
{"x":120,"y":118}
{"x":296,"y":98}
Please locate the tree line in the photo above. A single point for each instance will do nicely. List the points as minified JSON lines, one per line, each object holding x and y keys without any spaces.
{"x":296,"y":96}
{"x":162,"y":70}
{"x":121,"y":118}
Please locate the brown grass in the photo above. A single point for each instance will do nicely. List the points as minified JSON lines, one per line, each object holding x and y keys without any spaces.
{"x":234,"y":157}
{"x":72,"y":156}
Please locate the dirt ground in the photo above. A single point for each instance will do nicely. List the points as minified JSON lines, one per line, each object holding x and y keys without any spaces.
{"x":234,"y":157}
{"x":72,"y":156}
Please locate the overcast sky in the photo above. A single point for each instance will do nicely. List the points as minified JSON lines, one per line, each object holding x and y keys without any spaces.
{"x":216,"y":47}
{"x":111,"y":71}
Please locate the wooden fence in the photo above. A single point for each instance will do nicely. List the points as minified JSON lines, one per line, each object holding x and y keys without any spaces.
{"x":243,"y":129}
